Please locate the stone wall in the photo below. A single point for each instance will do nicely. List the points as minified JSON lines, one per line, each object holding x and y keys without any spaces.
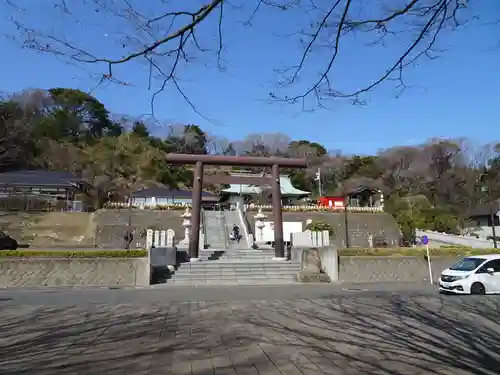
{"x":111,"y":225}
{"x":39,"y":272}
{"x":400,"y":268}
{"x":361,"y":225}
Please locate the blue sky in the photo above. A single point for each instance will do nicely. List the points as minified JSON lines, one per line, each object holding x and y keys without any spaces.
{"x":456,"y":95}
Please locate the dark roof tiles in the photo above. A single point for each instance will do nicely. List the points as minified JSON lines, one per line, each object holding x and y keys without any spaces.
{"x":160,"y":192}
{"x":38,"y":178}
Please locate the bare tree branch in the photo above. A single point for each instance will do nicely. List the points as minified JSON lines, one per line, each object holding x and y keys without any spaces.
{"x":168,"y":36}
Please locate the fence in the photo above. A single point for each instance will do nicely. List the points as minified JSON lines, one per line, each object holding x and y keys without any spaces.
{"x":30,"y":203}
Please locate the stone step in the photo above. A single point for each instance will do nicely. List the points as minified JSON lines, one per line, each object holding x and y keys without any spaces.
{"x":216,"y":263}
{"x":237,"y":269}
{"x":237,"y":282}
{"x":252,"y":274}
{"x":243,"y":258}
{"x":209,"y":252}
{"x":249,"y":256}
{"x":236,"y":273}
{"x":244,"y":249}
{"x":242,"y":253}
{"x":228,"y":283}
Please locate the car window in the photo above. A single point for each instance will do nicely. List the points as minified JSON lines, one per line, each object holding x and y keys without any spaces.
{"x":495,"y":264}
{"x":467,"y":264}
{"x":2,"y":234}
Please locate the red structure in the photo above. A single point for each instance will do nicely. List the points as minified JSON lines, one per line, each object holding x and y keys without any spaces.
{"x":333,"y":202}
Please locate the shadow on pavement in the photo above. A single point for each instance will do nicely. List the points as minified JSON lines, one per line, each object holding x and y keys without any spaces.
{"x":356,"y":334}
{"x":390,"y":335}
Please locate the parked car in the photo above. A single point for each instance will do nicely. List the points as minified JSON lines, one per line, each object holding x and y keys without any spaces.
{"x":7,"y":242}
{"x":472,"y":275}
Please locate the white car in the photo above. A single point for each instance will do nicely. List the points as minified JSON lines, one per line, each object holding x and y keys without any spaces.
{"x":479,"y":274}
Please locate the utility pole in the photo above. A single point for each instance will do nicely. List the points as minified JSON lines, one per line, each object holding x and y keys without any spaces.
{"x":318,"y":178}
{"x":491,"y":204}
{"x":492,"y":216}
{"x":129,"y":233}
{"x":346,"y":221}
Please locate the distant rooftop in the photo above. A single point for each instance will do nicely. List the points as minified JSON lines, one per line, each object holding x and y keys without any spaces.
{"x":39,"y":178}
{"x":485,"y":209}
{"x":287,"y":189}
{"x":163,"y":192}
{"x":339,"y":192}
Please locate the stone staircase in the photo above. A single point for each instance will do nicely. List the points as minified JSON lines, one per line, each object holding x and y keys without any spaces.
{"x":214,"y":225}
{"x":231,"y":263}
{"x":233,"y":254}
{"x":231,"y":218}
{"x":239,"y":272}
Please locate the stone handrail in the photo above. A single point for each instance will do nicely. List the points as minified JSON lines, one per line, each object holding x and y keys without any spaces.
{"x":204,"y":228}
{"x":244,"y":226}
{"x":224,"y":226}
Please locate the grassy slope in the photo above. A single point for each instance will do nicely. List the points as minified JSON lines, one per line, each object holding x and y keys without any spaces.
{"x":49,"y":228}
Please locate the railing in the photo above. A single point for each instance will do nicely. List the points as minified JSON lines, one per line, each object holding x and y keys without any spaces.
{"x":204,"y":227}
{"x":244,"y":225}
{"x":30,"y":203}
{"x":269,"y":208}
{"x":254,"y":207}
{"x":226,"y":233}
{"x":454,"y":239}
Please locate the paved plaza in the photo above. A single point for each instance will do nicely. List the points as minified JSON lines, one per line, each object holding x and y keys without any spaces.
{"x":333,"y":330}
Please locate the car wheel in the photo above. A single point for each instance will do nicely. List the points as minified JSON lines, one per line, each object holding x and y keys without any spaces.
{"x":477,"y":288}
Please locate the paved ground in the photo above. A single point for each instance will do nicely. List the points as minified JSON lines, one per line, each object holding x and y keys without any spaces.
{"x":335,"y":329}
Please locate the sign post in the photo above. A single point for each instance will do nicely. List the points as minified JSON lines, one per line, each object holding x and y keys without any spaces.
{"x":425,"y":241}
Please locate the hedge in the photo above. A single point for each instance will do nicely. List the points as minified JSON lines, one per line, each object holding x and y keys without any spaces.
{"x":417,"y":251}
{"x":75,"y":253}
{"x":404,"y":251}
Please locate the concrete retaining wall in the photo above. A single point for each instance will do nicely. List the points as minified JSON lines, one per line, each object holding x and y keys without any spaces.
{"x":39,"y":272}
{"x":367,"y":269}
{"x":360,"y":225}
{"x":111,"y":225}
{"x":377,"y":269}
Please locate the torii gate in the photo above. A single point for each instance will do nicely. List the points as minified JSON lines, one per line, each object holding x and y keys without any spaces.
{"x":244,"y":161}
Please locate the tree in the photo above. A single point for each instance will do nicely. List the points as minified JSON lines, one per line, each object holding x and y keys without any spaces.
{"x":17,"y":146}
{"x":167,"y":38}
{"x":140,"y":130}
{"x":187,"y":139}
{"x":72,"y":115}
{"x":117,"y":166}
{"x":428,"y":186}
{"x":307,"y":149}
{"x":409,"y":213}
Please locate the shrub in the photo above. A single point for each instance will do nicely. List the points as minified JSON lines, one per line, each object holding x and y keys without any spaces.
{"x":319,"y":226}
{"x":74,"y":254}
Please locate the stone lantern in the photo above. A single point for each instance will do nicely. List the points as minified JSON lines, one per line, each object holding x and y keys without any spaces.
{"x":259,"y":224}
{"x":186,"y":223}
{"x":381,"y":200}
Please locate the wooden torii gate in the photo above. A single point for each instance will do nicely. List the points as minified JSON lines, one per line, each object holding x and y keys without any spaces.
{"x":244,"y":161}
